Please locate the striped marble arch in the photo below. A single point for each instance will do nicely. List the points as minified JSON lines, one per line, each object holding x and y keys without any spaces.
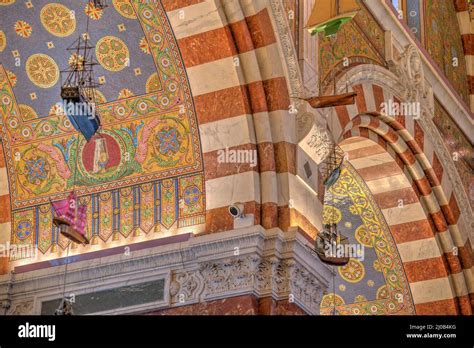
{"x":400,"y":164}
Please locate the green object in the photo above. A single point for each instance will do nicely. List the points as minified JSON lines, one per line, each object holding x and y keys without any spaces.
{"x":331,"y":180}
{"x":333,"y":25}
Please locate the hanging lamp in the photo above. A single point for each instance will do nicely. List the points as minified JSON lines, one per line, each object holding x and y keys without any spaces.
{"x":328,"y":16}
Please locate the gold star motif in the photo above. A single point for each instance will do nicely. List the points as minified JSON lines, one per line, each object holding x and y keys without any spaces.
{"x":93,"y":12}
{"x":50,"y":44}
{"x":33,"y":96}
{"x":23,"y":29}
{"x":121,"y":27}
{"x":29,"y":4}
{"x":15,"y":53}
{"x":101,"y":80}
{"x":137,"y":71}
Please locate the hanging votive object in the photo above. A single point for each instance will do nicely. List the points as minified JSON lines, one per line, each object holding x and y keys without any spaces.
{"x":328,"y":16}
{"x":78,"y":90}
{"x":82,"y":117}
{"x":330,"y":168}
{"x":330,"y":246}
{"x":70,"y":217}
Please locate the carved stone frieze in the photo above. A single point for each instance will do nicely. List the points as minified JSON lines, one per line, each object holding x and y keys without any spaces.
{"x":264,"y":276}
{"x":21,"y":308}
{"x":199,"y":277}
{"x":408,"y":68}
{"x":306,"y":287}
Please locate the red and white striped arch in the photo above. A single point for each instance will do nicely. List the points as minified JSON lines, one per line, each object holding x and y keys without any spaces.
{"x":429,"y":230}
{"x":238,"y":83}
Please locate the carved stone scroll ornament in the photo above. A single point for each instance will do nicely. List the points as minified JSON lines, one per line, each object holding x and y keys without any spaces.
{"x":184,"y":286}
{"x":22,"y":308}
{"x":264,"y":276}
{"x":408,"y":67}
{"x":306,"y":287}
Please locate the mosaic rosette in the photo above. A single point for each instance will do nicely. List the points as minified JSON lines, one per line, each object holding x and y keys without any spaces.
{"x":124,"y":8}
{"x":112,"y":53}
{"x":42,"y":70}
{"x":58,"y":19}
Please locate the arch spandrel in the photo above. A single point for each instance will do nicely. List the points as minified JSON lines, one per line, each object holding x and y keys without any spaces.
{"x":153,"y":181}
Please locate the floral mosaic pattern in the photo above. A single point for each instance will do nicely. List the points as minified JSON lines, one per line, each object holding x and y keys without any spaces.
{"x":46,"y":28}
{"x":142,"y":172}
{"x":361,"y":41}
{"x":459,"y":146}
{"x":376,"y":285}
{"x":443,"y":42}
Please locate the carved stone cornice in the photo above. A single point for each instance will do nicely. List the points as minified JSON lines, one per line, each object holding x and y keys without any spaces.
{"x":247,"y":261}
{"x":21,"y":308}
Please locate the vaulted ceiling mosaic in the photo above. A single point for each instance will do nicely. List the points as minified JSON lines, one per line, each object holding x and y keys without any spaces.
{"x":444,"y":43}
{"x":361,"y":41}
{"x":375,"y":282}
{"x":36,"y":35}
{"x":144,"y":170}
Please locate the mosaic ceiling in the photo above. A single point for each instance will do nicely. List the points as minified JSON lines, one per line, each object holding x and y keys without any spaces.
{"x":36,"y":34}
{"x":374,"y":283}
{"x":444,"y":44}
{"x":361,"y":41}
{"x":144,"y":169}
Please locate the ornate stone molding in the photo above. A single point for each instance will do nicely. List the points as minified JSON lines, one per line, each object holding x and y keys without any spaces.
{"x":287,"y":47}
{"x":407,"y":66}
{"x":245,"y":261}
{"x":21,"y":308}
{"x":306,"y":117}
{"x":457,"y":186}
{"x":277,"y":276}
{"x":306,"y":287}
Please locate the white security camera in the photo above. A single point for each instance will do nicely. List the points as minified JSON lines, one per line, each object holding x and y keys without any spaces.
{"x":236,"y":210}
